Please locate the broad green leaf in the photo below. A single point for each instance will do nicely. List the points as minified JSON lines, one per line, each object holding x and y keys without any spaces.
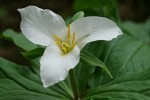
{"x":35,"y":53}
{"x":84,"y":70}
{"x":94,"y":61}
{"x":126,"y":54}
{"x":129,"y":87}
{"x":78,"y":15}
{"x":19,"y":39}
{"x":127,"y":58}
{"x":20,"y":83}
{"x":138,"y":31}
{"x":123,"y":56}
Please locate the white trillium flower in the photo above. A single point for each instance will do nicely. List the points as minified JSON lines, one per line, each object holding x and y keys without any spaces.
{"x":44,"y":27}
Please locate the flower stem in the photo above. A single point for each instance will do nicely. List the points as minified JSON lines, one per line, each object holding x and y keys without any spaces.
{"x":73,"y":84}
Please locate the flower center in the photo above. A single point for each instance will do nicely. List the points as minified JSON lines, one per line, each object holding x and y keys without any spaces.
{"x":69,"y":43}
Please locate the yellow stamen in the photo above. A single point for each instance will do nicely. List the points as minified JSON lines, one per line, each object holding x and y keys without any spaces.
{"x":68,"y":44}
{"x":73,"y":39}
{"x":69,"y":31}
{"x":57,"y":38}
{"x":59,"y":43}
{"x":64,"y":50}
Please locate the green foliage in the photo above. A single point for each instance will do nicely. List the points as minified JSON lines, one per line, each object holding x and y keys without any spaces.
{"x":127,"y":58}
{"x":134,"y":86}
{"x":19,"y":39}
{"x":94,"y":61}
{"x":97,"y":7}
{"x":32,"y":54}
{"x":138,"y":31}
{"x":77,"y":16}
{"x":126,"y":54}
{"x":21,"y":83}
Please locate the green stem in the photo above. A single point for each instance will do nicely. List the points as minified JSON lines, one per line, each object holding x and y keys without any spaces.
{"x":73,"y":84}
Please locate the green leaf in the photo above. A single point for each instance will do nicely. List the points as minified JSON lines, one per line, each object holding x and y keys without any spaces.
{"x":84,"y":71}
{"x":18,"y":82}
{"x":129,"y":53}
{"x":129,"y":87}
{"x":126,"y":54}
{"x":35,"y":53}
{"x":78,"y":15}
{"x":127,"y":58}
{"x":19,"y":39}
{"x":94,"y":61}
{"x":138,"y":31}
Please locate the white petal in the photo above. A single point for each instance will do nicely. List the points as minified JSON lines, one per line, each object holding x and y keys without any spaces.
{"x":55,"y":66}
{"x":38,"y":25}
{"x":90,"y":29}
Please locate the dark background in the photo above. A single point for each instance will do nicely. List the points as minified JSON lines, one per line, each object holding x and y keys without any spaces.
{"x":135,"y":10}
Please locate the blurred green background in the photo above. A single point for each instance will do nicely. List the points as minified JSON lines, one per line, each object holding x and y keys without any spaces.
{"x":135,"y":10}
